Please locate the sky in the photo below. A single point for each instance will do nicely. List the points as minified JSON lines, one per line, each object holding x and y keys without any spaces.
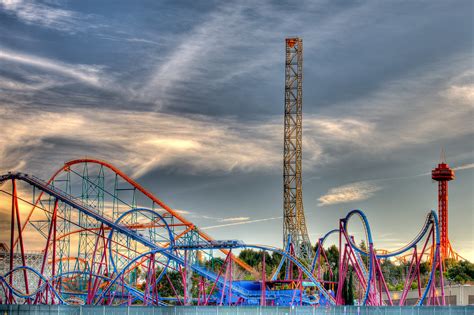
{"x":187,"y":97}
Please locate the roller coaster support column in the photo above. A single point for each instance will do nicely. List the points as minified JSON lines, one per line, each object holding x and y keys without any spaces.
{"x":53,"y":265}
{"x":91,"y":287}
{"x":174,"y":289}
{"x":412,"y":272}
{"x":228,"y":257}
{"x":39,"y":296}
{"x":300,"y":284}
{"x":263,"y":300}
{"x":340,"y":263}
{"x":103,"y":259}
{"x":12,"y":246}
{"x":16,"y":215}
{"x":289,"y":265}
{"x":227,"y":278}
{"x":184,"y":278}
{"x":230,"y":279}
{"x":383,"y":288}
{"x":202,"y":291}
{"x":150,"y":277}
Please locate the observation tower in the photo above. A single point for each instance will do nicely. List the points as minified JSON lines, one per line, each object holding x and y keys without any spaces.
{"x":443,"y":174}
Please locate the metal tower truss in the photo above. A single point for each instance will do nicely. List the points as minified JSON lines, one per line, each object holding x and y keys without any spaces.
{"x":294,"y":224}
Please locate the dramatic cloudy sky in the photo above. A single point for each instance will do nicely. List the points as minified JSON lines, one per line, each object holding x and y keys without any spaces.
{"x":187,"y":97}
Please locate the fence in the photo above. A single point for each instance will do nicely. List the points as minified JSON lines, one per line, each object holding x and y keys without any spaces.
{"x":236,"y":310}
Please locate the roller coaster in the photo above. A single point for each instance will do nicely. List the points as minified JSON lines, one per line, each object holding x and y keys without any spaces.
{"x":106,"y":240}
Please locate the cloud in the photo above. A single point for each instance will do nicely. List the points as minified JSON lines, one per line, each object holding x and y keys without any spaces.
{"x":241,"y":41}
{"x":184,"y":63}
{"x":464,"y":167}
{"x":196,"y":215}
{"x":182,"y":211}
{"x":34,"y":83}
{"x":349,"y":193}
{"x":194,"y":144}
{"x":239,"y":223}
{"x":88,"y":74}
{"x":43,"y":14}
{"x":460,"y":89}
{"x":364,"y":190}
{"x":464,"y":94}
{"x":234,"y":219}
{"x":187,"y":144}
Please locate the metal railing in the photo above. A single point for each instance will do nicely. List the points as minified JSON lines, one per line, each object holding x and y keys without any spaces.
{"x":235,"y":310}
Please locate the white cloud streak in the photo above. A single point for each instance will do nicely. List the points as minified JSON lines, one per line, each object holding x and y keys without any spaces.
{"x":88,"y":74}
{"x":184,"y":63}
{"x":49,"y":16}
{"x":239,"y":223}
{"x":209,"y":52}
{"x":364,"y":190}
{"x":464,"y":167}
{"x":181,"y":211}
{"x":349,"y":193}
{"x":234,"y":219}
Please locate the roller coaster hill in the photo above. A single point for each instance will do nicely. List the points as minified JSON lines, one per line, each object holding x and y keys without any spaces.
{"x":103,"y":239}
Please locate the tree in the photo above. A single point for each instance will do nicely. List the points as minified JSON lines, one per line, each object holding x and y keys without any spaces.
{"x":460,"y":272}
{"x":332,"y":254}
{"x":214,"y":264}
{"x":164,"y":287}
{"x":363,"y":246}
{"x":350,"y":295}
{"x":348,"y":289}
{"x":254,"y":259}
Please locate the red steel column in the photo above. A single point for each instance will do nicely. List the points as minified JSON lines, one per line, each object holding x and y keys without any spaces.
{"x":443,"y":213}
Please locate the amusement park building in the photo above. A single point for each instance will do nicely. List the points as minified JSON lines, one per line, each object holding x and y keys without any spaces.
{"x":454,"y":295}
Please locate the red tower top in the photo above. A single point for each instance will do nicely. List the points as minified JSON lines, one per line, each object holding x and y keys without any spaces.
{"x":442,"y":173}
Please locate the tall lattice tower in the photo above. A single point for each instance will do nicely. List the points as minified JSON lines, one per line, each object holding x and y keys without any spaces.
{"x":443,"y":174}
{"x":294,"y":224}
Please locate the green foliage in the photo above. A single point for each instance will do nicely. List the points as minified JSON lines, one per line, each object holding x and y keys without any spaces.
{"x":164,"y":287}
{"x":348,"y":287}
{"x":332,"y":254}
{"x":255,"y":258}
{"x":460,"y":272}
{"x":214,"y":264}
{"x":425,"y":267}
{"x":396,"y":287}
{"x":350,"y":295}
{"x":364,"y":258}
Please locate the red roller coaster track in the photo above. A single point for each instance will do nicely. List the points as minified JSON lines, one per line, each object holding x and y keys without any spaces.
{"x":190,"y":226}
